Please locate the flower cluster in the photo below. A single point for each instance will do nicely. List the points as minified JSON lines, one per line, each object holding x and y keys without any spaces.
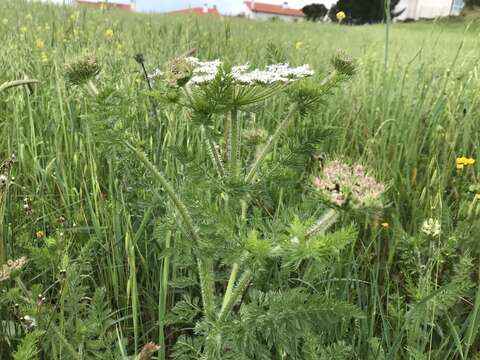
{"x":148,"y":350}
{"x":463,"y":161}
{"x":431,"y":227}
{"x":345,"y":185}
{"x":205,"y":71}
{"x":10,"y":267}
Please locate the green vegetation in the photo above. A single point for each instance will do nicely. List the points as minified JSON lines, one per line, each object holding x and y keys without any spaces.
{"x":193,"y":217}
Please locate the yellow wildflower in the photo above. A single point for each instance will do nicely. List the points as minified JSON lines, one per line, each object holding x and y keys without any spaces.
{"x":39,"y":44}
{"x":5,"y":21}
{"x":464,"y":161}
{"x":44,"y":58}
{"x":23,"y":29}
{"x":298,"y":45}
{"x":109,"y":33}
{"x":40,"y":234}
{"x":340,"y":16}
{"x":385,"y":225}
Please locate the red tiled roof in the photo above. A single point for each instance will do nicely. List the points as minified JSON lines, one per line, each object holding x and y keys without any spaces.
{"x":197,"y":11}
{"x":273,"y":9}
{"x":108,"y":5}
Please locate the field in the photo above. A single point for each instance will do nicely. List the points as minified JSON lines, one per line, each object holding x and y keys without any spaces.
{"x":193,"y":222}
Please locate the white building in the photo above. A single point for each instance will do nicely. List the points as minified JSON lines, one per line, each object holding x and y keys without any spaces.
{"x":428,"y":9}
{"x":262,"y":11}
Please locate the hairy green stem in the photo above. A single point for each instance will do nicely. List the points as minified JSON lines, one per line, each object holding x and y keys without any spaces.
{"x":213,"y":152}
{"x":179,"y":205}
{"x":231,"y":283}
{"x":271,"y":141}
{"x":207,"y":285}
{"x":327,"y":219}
{"x":205,"y":268}
{"x":234,"y":149}
{"x":226,"y":140}
{"x":235,"y":296}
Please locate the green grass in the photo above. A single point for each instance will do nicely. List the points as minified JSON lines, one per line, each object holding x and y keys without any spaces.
{"x":109,"y":226}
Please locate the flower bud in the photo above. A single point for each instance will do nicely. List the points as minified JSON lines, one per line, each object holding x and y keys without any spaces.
{"x":344,"y":63}
{"x":82,"y":70}
{"x":179,"y":72}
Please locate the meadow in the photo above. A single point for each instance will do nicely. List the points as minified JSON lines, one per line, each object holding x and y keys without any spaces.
{"x":178,"y":222}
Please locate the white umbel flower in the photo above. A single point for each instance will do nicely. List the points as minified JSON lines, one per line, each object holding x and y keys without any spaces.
{"x":431,"y":227}
{"x":205,"y":71}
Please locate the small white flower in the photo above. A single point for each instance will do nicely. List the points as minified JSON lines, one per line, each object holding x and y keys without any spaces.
{"x":156,"y":73}
{"x":431,"y":227}
{"x":29,"y":322}
{"x":3,"y":180}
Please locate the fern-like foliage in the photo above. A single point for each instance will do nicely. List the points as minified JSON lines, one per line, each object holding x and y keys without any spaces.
{"x":28,"y":347}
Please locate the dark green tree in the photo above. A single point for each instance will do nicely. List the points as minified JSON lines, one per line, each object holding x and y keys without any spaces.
{"x":472,"y":3}
{"x":315,"y":12}
{"x":364,"y":11}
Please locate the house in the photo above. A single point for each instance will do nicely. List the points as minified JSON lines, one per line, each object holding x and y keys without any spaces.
{"x":200,"y":11}
{"x":263,"y":11}
{"x":429,"y":9}
{"x":126,"y":6}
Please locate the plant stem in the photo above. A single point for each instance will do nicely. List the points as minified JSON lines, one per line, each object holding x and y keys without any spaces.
{"x":179,"y":204}
{"x":327,"y":219}
{"x":213,"y":152}
{"x":207,"y":282}
{"x":231,"y":283}
{"x":162,"y":298}
{"x":92,"y":87}
{"x":14,"y":83}
{"x":387,"y":29}
{"x":205,"y":268}
{"x":232,"y":300}
{"x":226,"y":140}
{"x":234,"y":144}
{"x":271,"y":141}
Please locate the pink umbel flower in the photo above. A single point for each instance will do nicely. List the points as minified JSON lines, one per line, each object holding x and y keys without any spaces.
{"x":345,"y":185}
{"x":10,"y":267}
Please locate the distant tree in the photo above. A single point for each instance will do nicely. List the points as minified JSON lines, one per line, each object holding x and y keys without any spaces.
{"x":364,"y":11}
{"x":315,"y":12}
{"x":472,"y":3}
